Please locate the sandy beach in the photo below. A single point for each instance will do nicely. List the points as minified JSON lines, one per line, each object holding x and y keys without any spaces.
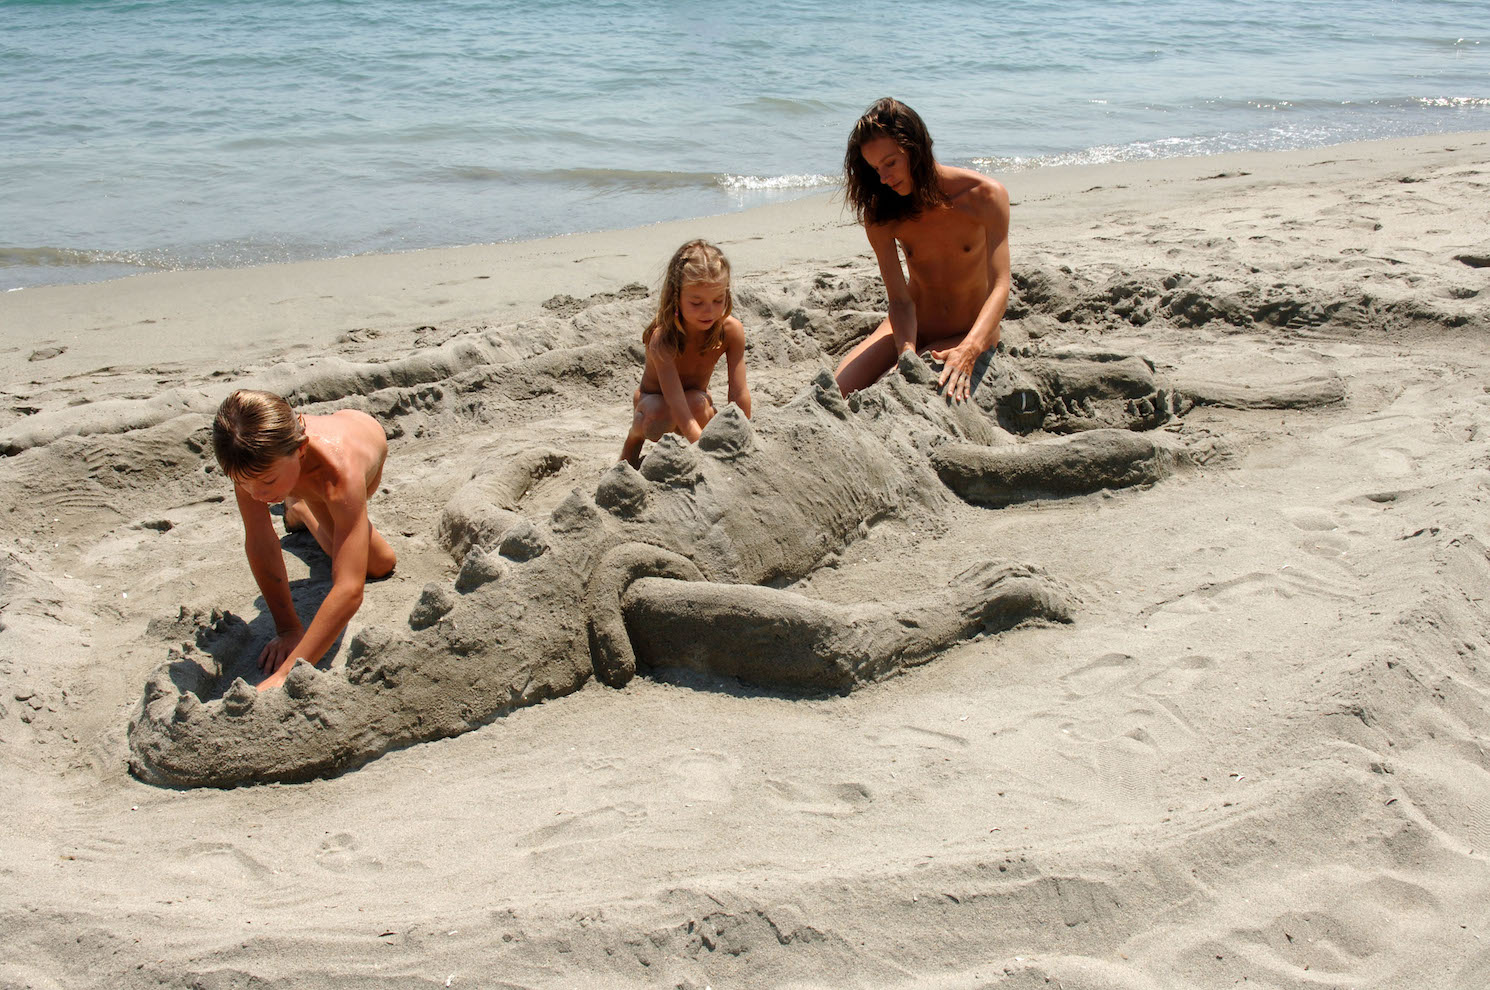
{"x":1254,"y":754}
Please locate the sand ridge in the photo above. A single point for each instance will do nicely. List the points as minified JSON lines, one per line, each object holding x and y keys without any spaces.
{"x":1257,"y":752}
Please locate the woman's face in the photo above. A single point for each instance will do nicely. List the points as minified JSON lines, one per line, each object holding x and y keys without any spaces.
{"x":890,"y":163}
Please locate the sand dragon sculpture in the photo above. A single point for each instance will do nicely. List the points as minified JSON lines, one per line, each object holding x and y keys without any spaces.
{"x":684,"y":564}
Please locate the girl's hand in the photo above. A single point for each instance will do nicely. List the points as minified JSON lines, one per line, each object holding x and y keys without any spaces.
{"x":956,"y":380}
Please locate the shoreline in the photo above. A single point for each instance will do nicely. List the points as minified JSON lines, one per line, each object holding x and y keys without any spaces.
{"x":309,"y":303}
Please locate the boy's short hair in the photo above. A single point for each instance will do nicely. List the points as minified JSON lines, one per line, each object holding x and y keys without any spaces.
{"x":253,"y":429}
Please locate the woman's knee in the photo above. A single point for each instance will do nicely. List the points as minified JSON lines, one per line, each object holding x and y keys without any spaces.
{"x":867,"y":361}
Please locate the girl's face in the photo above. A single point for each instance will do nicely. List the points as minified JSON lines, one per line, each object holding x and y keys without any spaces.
{"x":701,"y":304}
{"x":890,"y":162}
{"x":275,"y":483}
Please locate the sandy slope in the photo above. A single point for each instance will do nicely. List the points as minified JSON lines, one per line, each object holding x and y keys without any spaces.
{"x":1258,"y":752}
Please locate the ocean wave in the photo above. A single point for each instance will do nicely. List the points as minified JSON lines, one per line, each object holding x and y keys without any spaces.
{"x":1287,"y":132}
{"x":775,"y":183}
{"x":1298,"y":104}
{"x":636,"y":180}
{"x":793,"y":106}
{"x":590,"y":178}
{"x":51,"y":257}
{"x":1455,"y":102}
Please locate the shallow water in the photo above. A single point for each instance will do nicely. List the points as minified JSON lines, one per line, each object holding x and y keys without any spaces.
{"x":148,"y":134}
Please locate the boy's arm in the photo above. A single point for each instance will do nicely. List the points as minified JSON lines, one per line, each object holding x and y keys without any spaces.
{"x":672,"y":389}
{"x":349,"y":546}
{"x":265,"y":560}
{"x":902,"y":309}
{"x":993,"y":212}
{"x":734,"y":358}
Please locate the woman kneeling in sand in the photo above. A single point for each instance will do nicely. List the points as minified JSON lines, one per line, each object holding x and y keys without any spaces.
{"x":952,"y":223}
{"x":324,"y":469}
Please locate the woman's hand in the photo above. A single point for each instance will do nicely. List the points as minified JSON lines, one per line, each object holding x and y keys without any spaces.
{"x":956,"y":380}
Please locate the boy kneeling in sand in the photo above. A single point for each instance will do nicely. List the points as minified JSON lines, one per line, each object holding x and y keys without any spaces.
{"x":324,"y":469}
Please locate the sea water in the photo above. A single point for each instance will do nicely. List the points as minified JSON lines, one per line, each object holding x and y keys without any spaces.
{"x":139,"y":135}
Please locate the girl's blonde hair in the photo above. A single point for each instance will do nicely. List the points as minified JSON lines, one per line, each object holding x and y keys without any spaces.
{"x":252,"y":430}
{"x":694,"y":262}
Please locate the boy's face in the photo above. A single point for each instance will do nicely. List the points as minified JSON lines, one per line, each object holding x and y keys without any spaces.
{"x":890,"y":162}
{"x":273,"y":484}
{"x":701,"y":304}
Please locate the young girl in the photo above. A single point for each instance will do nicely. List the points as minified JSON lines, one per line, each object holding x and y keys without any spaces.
{"x":692,"y":330}
{"x":324,"y":469}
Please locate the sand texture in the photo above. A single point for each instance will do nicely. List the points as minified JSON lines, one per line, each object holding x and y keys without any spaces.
{"x":1156,"y":665}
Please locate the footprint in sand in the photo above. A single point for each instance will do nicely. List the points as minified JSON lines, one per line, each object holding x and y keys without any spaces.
{"x":595,"y":825}
{"x":223,"y":855}
{"x":1137,"y":731}
{"x":914,"y":735}
{"x":1102,"y":674}
{"x":1179,"y":677}
{"x":831,"y":800}
{"x":1321,"y":529}
{"x":340,"y":854}
{"x":704,"y":776}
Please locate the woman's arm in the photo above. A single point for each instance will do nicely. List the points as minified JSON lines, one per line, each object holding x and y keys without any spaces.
{"x":902,"y":309}
{"x":992,"y":204}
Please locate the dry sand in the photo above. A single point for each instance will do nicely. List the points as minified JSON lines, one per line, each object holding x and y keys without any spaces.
{"x":1257,"y":754}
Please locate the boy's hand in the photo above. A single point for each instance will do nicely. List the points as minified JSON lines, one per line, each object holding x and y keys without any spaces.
{"x":280,"y":649}
{"x":277,"y":678}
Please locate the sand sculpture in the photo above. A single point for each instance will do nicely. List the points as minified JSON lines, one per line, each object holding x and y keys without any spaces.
{"x":681,"y":564}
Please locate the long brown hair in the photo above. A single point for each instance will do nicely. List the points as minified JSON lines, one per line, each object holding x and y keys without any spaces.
{"x":694,"y":262}
{"x":252,"y":430}
{"x":873,"y":201}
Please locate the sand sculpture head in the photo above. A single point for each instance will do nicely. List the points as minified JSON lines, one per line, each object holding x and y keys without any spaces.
{"x":697,"y":275}
{"x":874,"y":201}
{"x":253,"y":432}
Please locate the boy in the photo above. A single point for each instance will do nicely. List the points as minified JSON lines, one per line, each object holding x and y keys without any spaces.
{"x":324,"y":469}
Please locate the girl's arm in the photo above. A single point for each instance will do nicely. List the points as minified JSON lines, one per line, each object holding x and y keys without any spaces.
{"x":351,"y":534}
{"x":734,"y":363}
{"x":673,"y":395}
{"x":265,"y":560}
{"x":902,"y":309}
